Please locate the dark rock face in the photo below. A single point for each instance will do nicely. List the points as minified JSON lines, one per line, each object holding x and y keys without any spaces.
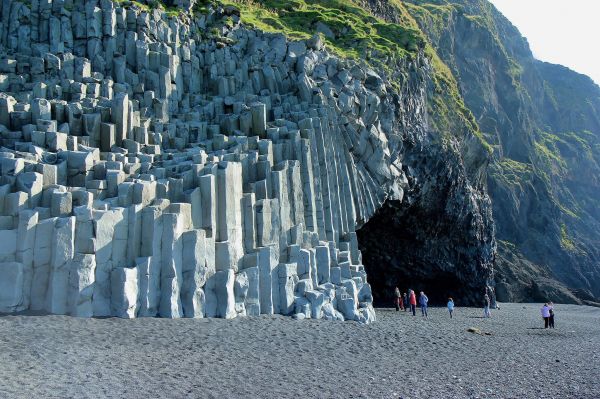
{"x":439,"y":239}
{"x":543,"y":121}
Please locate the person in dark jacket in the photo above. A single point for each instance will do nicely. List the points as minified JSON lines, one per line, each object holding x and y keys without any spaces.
{"x":406,"y":304}
{"x":551,"y":318}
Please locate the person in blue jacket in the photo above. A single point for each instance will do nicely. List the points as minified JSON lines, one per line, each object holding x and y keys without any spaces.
{"x":450,"y":306}
{"x":423,"y":302}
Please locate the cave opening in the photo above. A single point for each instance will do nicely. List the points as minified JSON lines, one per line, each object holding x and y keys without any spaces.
{"x":396,"y":251}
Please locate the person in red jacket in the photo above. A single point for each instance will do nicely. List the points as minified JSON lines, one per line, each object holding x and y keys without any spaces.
{"x":412,"y":299}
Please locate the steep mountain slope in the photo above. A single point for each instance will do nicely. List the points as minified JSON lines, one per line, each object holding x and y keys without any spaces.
{"x":543,"y":122}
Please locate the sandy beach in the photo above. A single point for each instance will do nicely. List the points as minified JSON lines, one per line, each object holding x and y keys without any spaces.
{"x":399,"y":356}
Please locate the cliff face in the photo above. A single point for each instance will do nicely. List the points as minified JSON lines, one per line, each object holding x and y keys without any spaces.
{"x":160,"y":165}
{"x":543,"y":123}
{"x":176,"y":162}
{"x":440,"y":238}
{"x":161,"y":162}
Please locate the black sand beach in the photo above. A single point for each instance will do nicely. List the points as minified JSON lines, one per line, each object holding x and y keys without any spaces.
{"x":399,"y":356}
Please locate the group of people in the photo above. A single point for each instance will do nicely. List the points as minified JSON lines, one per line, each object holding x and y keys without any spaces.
{"x":408,"y":300}
{"x":548,"y":315}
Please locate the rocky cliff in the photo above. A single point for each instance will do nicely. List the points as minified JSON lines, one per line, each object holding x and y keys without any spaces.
{"x":173,"y":162}
{"x":543,"y":122}
{"x":441,"y":237}
{"x":158,"y":165}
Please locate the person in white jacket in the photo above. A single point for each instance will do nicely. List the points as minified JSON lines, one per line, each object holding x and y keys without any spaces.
{"x":546,"y":314}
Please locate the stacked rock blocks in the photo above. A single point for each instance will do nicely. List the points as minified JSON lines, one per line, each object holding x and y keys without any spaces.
{"x":149,"y":171}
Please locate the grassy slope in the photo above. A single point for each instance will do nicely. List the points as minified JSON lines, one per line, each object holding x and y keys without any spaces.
{"x":355,"y":33}
{"x":351,"y":32}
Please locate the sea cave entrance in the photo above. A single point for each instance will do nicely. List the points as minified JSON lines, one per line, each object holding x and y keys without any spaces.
{"x":398,"y":250}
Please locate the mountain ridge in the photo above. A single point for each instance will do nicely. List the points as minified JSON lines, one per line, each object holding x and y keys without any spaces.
{"x":538,"y":117}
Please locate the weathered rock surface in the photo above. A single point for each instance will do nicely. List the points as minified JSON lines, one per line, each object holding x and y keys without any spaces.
{"x":543,"y":122}
{"x":437,"y":234}
{"x":147,"y":170}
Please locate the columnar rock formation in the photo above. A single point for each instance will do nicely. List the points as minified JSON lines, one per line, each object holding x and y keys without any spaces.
{"x":147,"y":169}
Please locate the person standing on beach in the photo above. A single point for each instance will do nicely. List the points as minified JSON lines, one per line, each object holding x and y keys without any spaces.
{"x":412,"y":299}
{"x":398,"y":299}
{"x":450,"y":306}
{"x":551,"y":319}
{"x":405,"y":300}
{"x":546,"y":314}
{"x":423,"y":302}
{"x":486,"y":306}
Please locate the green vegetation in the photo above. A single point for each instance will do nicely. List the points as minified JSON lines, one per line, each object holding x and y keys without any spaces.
{"x":170,"y":11}
{"x":448,"y":107}
{"x":173,"y":11}
{"x":550,"y":95}
{"x":568,"y":212}
{"x":512,"y":173}
{"x":130,"y":3}
{"x":347,"y":29}
{"x":515,"y":167}
{"x":547,"y":150}
{"x":563,"y":156}
{"x":558,"y":153}
{"x":434,"y":17}
{"x":202,"y":6}
{"x":350,"y":31}
{"x":565,"y":241}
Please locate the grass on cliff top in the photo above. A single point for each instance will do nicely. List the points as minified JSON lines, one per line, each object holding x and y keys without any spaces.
{"x":348,"y":30}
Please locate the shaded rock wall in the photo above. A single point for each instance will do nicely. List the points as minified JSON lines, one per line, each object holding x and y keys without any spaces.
{"x":441,"y":237}
{"x":543,"y":121}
